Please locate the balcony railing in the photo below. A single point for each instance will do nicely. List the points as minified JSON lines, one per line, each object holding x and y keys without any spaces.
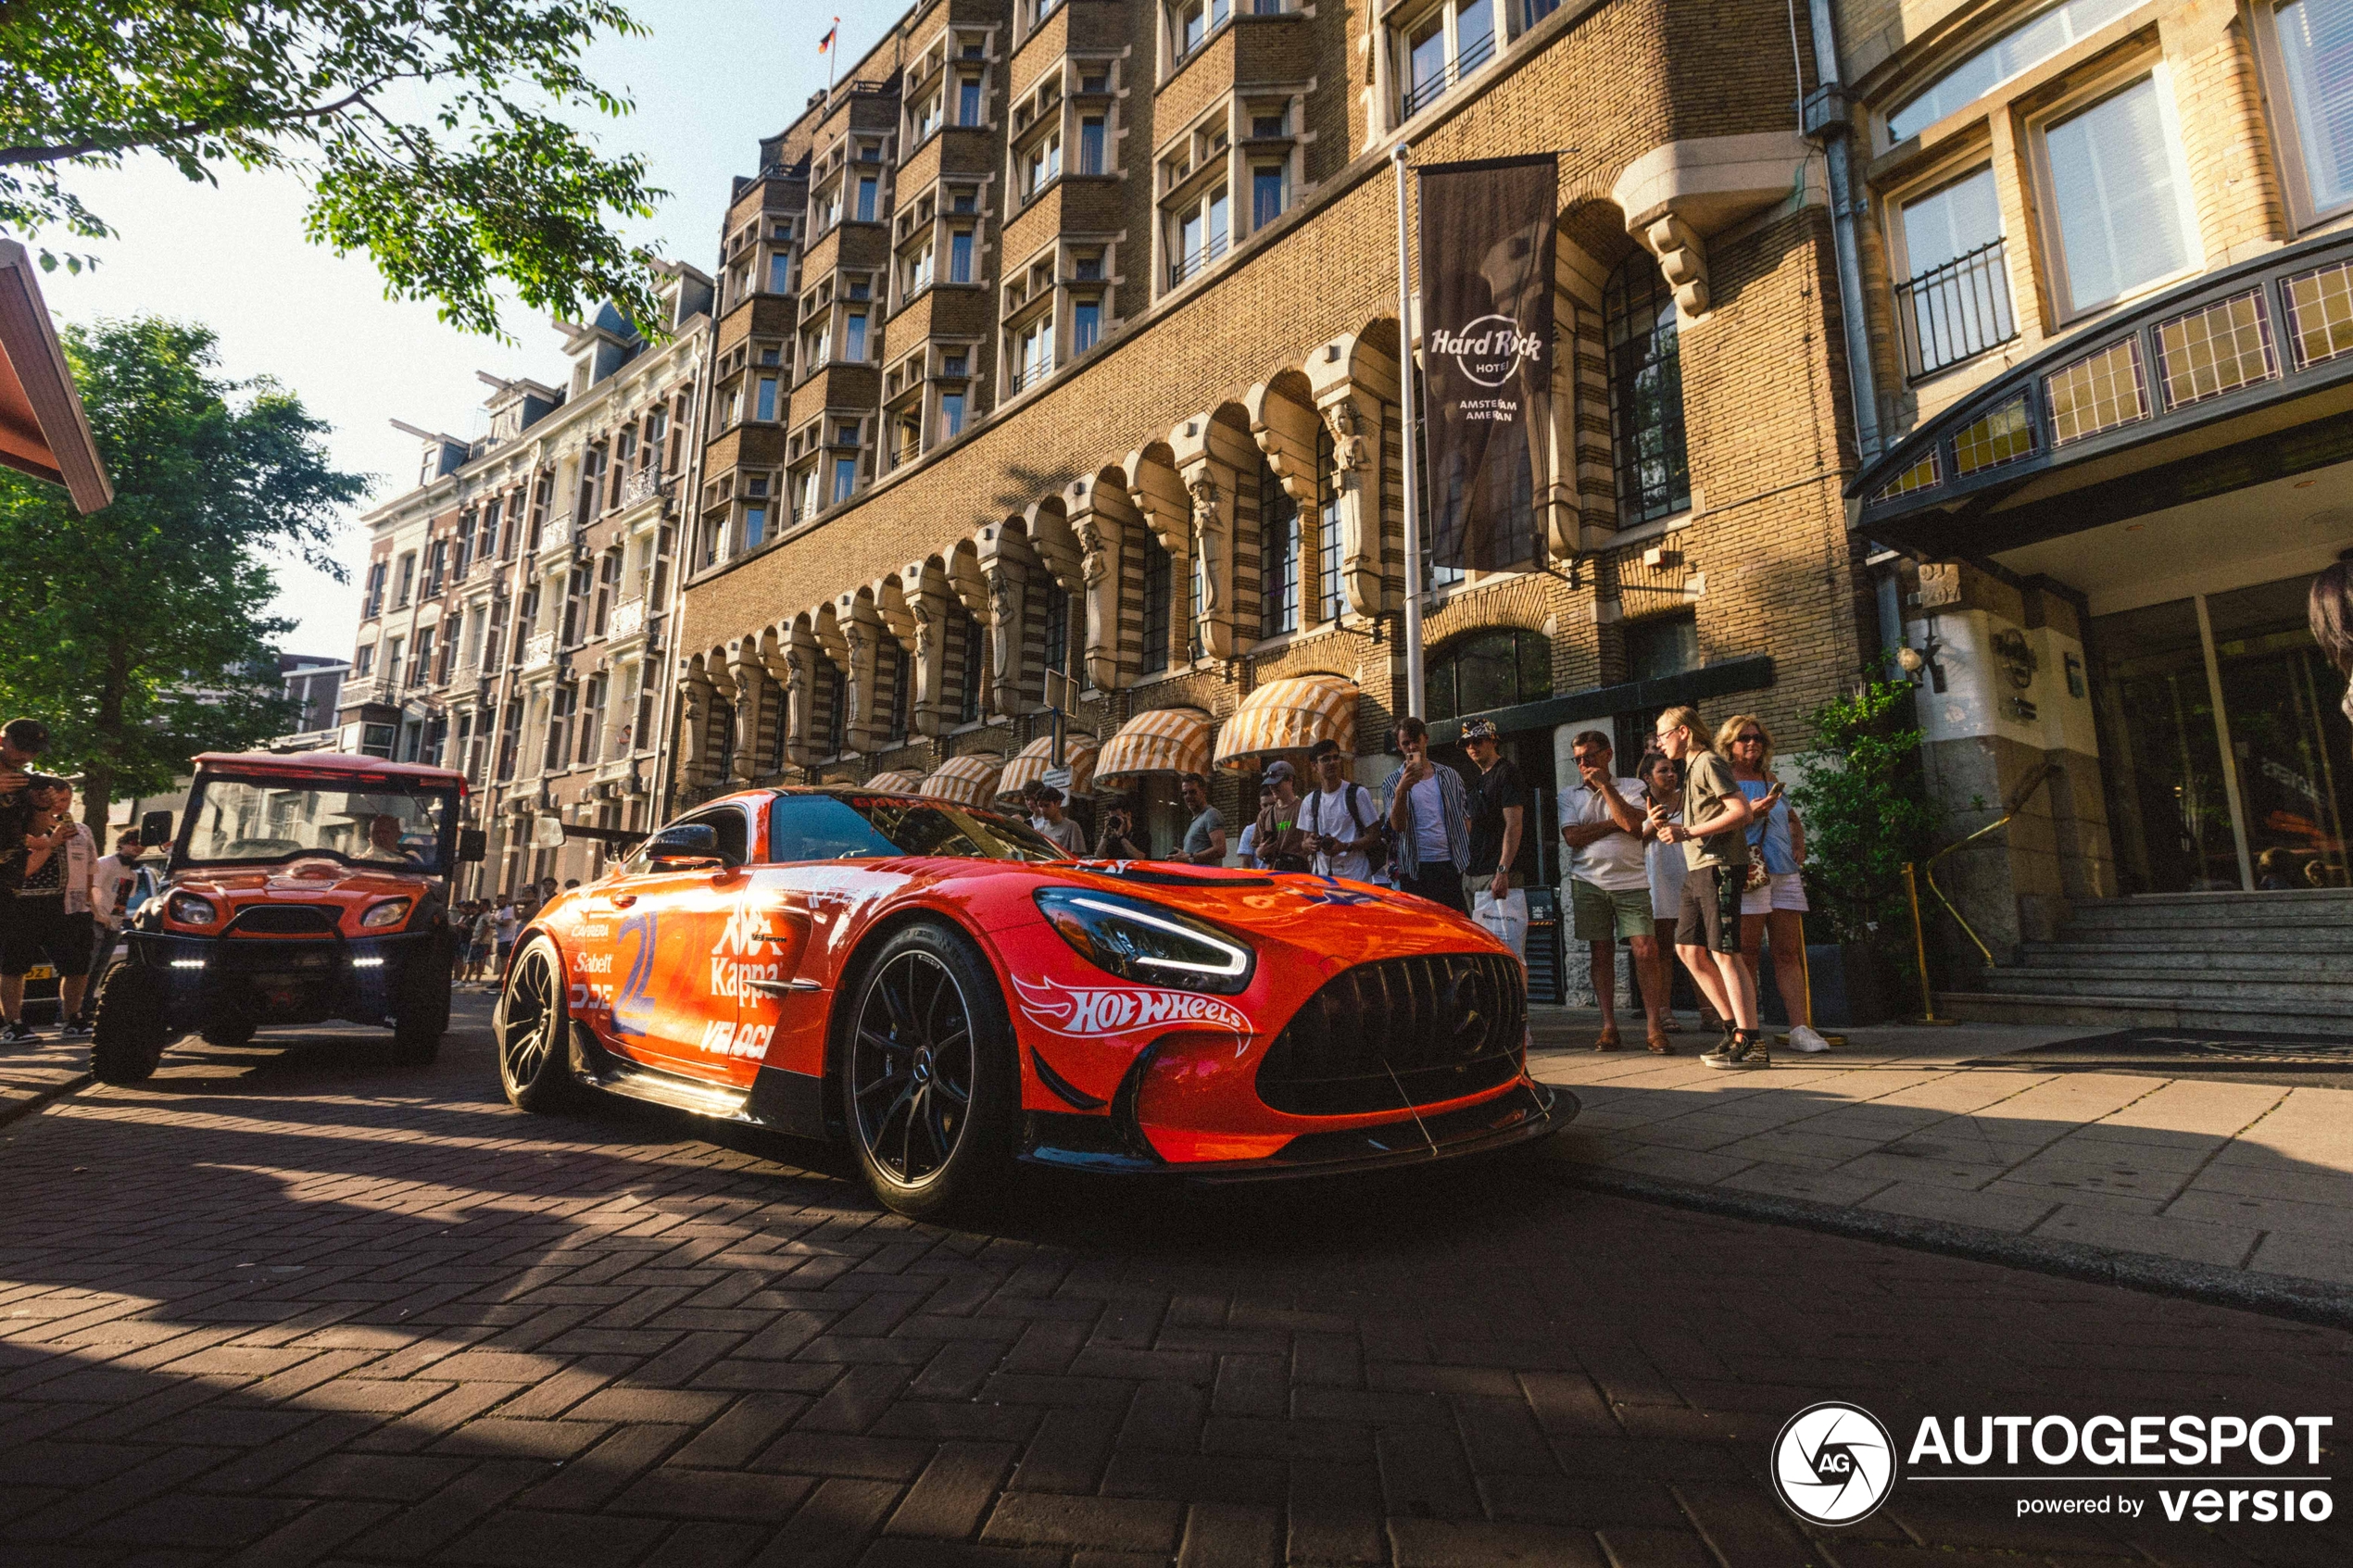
{"x":538,"y":653}
{"x":1956,"y":312}
{"x":1420,"y":95}
{"x":643,"y":485}
{"x":1187,"y":263}
{"x":628,"y":620}
{"x":1027,"y":373}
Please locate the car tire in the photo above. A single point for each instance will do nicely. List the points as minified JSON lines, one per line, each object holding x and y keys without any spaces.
{"x":229,"y":1036}
{"x":128,"y":1034}
{"x":534,"y":1030}
{"x":929,"y":1077}
{"x":422,"y":1015}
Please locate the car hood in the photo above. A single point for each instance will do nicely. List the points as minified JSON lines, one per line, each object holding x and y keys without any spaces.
{"x":1342,"y":922}
{"x":300,"y":881}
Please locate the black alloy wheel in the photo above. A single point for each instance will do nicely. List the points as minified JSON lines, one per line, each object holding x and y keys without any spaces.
{"x":930,"y":1081}
{"x":534,"y":1065}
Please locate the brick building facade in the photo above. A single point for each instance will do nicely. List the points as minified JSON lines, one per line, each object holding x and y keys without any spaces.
{"x":516,"y":607}
{"x":1056,"y":364}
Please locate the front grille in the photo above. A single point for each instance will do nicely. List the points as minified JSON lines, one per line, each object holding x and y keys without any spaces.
{"x":1399,"y":1032}
{"x":284,"y":920}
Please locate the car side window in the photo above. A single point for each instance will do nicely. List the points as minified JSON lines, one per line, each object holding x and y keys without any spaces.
{"x":728,"y":821}
{"x":818,"y":827}
{"x":734,"y":835}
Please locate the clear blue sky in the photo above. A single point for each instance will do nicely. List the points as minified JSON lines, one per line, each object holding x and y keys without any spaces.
{"x":714,"y":77}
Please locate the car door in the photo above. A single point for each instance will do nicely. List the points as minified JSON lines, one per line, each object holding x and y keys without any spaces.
{"x":673,"y":1006}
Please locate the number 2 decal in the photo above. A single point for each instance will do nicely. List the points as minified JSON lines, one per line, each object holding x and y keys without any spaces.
{"x":633,"y":1004}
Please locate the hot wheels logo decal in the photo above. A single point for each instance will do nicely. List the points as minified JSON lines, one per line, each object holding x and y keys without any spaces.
{"x":1092,"y":1012}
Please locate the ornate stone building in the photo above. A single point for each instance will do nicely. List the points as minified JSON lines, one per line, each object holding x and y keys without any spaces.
{"x":2108,"y":255}
{"x":1057,"y":368}
{"x":516,"y":611}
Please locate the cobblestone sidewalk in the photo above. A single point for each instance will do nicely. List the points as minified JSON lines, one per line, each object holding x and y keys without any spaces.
{"x":2221,"y":1175}
{"x":281,"y":1309}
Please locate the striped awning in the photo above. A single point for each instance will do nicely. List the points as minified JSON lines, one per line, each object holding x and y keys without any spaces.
{"x":896,"y":782}
{"x":969,"y":779}
{"x":1290,"y":716}
{"x":1165,"y":740}
{"x":1079,"y":752}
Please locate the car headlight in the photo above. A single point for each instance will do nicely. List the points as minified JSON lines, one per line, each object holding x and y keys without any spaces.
{"x":189,"y":910}
{"x":391,"y":912}
{"x":1147,"y":941}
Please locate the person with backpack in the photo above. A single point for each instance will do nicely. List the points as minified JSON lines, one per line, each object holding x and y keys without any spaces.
{"x":1281,"y":844}
{"x":1341,"y":818}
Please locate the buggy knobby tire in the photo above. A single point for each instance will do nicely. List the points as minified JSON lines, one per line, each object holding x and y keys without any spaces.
{"x":129,"y":1034}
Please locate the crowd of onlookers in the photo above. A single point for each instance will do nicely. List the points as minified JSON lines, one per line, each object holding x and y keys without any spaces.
{"x":62,"y":904}
{"x":1696,"y":851}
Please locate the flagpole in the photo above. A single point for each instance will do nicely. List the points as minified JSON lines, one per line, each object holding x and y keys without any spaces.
{"x":1407,"y":408}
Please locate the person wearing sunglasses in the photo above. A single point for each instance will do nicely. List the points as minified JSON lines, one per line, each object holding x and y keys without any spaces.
{"x":1772,"y":911}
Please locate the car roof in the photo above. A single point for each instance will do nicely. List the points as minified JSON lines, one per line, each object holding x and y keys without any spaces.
{"x":325,"y":764}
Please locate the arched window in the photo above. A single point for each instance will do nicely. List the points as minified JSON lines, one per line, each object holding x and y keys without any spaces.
{"x":1645,"y":394}
{"x":1277,"y":556}
{"x":1489,"y":670}
{"x":1157,"y":566}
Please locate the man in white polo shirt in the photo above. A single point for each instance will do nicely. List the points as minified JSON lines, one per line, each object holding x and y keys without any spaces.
{"x":1610,"y":885}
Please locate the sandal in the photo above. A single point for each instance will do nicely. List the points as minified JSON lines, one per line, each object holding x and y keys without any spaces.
{"x":1660,"y":1045}
{"x":1608,"y":1039}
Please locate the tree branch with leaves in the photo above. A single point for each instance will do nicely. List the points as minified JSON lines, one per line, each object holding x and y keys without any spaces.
{"x":133,"y":632}
{"x":431,"y":133}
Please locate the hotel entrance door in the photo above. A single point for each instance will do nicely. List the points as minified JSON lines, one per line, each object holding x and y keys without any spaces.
{"x":2184,"y":685}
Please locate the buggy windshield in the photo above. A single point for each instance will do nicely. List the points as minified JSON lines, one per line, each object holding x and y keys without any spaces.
{"x":232,"y":819}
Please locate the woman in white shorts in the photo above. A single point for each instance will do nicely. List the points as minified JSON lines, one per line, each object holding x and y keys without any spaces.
{"x":1774,"y":914}
{"x":1667,"y":866}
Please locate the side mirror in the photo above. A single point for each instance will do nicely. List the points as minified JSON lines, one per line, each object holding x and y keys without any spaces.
{"x":687,"y":841}
{"x":472,"y":844}
{"x":155,"y":830}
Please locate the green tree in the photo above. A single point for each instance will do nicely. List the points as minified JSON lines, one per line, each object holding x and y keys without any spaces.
{"x":1868,"y":813}
{"x":484,"y":184}
{"x":136,"y":632}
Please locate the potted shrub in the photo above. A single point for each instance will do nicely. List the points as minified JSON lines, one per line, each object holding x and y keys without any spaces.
{"x":1868,"y":813}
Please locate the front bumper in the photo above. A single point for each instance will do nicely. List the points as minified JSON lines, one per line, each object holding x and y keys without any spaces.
{"x":271,"y":980}
{"x":1526,"y":1113}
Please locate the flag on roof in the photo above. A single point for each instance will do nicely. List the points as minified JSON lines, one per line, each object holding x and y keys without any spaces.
{"x":824,"y":44}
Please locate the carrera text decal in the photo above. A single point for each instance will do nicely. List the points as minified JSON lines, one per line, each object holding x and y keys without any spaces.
{"x":1083,"y":1012}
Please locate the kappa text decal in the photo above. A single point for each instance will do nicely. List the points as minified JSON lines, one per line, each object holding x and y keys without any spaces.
{"x":1086,"y":1012}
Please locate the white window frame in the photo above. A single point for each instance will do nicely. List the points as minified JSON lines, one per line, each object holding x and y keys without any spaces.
{"x":2279,"y":94}
{"x":2090,"y":95}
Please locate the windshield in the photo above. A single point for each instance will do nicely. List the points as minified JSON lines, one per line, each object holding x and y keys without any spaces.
{"x":261,"y":820}
{"x":845,"y":827}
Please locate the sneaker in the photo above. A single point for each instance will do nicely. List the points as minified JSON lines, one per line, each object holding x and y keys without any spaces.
{"x":1741,"y":1052}
{"x":18,"y":1031}
{"x":1803,"y":1038}
{"x":75,"y":1029}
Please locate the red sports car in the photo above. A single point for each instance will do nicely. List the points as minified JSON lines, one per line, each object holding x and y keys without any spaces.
{"x":946,"y":990}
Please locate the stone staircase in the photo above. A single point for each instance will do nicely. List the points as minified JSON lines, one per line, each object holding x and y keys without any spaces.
{"x":2268,"y":962}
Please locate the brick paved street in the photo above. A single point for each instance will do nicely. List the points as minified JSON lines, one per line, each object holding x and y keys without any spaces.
{"x":292,"y":1307}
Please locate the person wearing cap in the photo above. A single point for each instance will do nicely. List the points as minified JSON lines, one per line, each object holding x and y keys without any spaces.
{"x":1281,"y":844}
{"x":1245,"y":847}
{"x":1427,"y":804}
{"x":1341,"y":817}
{"x":1499,"y":817}
{"x":1057,"y":826}
{"x":1603,"y":827}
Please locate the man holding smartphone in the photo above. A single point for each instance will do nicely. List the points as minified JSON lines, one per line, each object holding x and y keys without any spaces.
{"x":1429,"y":808}
{"x":1340,"y":816}
{"x":21,"y":742}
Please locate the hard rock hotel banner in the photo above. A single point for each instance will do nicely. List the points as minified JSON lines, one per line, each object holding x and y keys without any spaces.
{"x":1487,"y":348}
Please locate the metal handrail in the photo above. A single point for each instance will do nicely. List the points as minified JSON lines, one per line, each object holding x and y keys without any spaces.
{"x":1956,"y":312}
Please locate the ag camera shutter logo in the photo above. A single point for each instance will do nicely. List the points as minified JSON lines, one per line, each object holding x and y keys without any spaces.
{"x":1834,"y":1464}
